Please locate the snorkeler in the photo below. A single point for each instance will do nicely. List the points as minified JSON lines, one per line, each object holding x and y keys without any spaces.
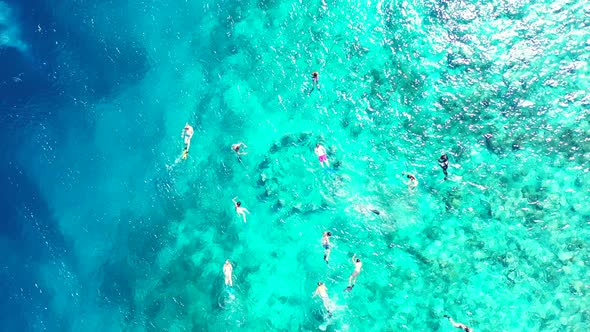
{"x":320,"y":151}
{"x":187,"y":135}
{"x":322,"y":291}
{"x":236,"y":147}
{"x":443,"y":161}
{"x":412,"y":182}
{"x":326,"y":244}
{"x":228,"y":269}
{"x":459,"y":325}
{"x":315,"y":79}
{"x":490,"y":145}
{"x":357,"y":270}
{"x":241,"y":211}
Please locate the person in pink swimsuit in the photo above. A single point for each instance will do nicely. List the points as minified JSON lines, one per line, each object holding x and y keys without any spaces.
{"x":315,"y":82}
{"x":320,"y":151}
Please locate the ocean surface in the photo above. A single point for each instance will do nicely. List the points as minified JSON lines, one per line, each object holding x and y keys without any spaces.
{"x":105,"y":228}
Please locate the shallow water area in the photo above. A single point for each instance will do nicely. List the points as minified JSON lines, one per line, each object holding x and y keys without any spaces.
{"x":112,"y":230}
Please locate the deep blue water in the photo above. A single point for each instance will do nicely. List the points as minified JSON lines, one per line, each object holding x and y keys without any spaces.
{"x":33,"y":100}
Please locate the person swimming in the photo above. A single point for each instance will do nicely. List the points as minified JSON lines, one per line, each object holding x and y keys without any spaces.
{"x":236,"y":147}
{"x":459,"y":325}
{"x":241,"y":211}
{"x":315,"y":81}
{"x":357,"y":270}
{"x":443,"y":161}
{"x":322,"y":291}
{"x":187,"y":135}
{"x":412,"y":181}
{"x":326,"y":245}
{"x":490,"y":145}
{"x":320,"y":151}
{"x":228,"y":269}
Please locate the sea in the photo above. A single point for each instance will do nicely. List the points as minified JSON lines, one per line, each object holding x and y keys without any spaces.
{"x":105,"y":227}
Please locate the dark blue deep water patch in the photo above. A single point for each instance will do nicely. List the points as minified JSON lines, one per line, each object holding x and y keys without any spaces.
{"x":29,"y":238}
{"x":21,"y":80}
{"x":70,"y":53}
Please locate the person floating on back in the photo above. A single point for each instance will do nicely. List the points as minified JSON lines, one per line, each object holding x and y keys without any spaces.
{"x":320,"y":151}
{"x":443,"y":161}
{"x":315,"y":81}
{"x":459,"y":325}
{"x":241,"y":211}
{"x":322,"y":291}
{"x":187,"y":135}
{"x":412,"y":181}
{"x":228,"y":269}
{"x":326,"y":245}
{"x":236,"y":148}
{"x":357,"y":270}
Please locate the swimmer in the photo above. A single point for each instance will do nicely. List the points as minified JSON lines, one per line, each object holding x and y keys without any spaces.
{"x":443,"y":161}
{"x":322,"y":291}
{"x":228,"y":269}
{"x":491,"y":146}
{"x":241,"y":211}
{"x":412,"y":182}
{"x":236,"y":147}
{"x":326,"y":245}
{"x":315,"y":79}
{"x":357,"y":270}
{"x":187,"y":135}
{"x":459,"y":325}
{"x":320,"y":151}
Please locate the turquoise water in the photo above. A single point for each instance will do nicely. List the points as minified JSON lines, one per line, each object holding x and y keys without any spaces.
{"x":502,"y":245}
